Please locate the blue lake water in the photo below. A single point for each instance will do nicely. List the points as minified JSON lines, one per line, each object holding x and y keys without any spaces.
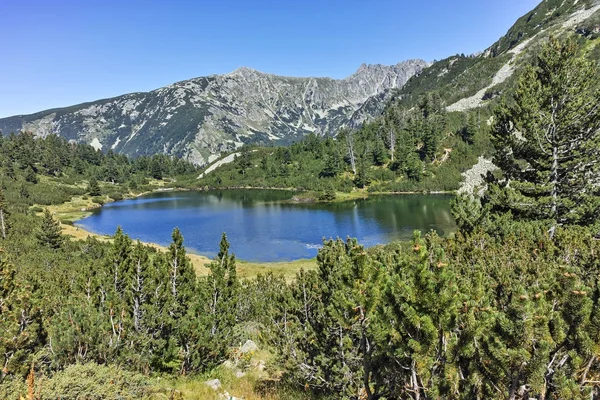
{"x":262,"y":226}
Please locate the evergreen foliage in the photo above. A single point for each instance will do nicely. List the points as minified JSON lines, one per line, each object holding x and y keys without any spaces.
{"x":546,"y":141}
{"x":94,"y":187}
{"x":402,"y":150}
{"x":49,"y":233}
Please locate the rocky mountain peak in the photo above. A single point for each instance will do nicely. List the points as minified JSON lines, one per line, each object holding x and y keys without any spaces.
{"x":244,"y":71}
{"x":378,"y":69}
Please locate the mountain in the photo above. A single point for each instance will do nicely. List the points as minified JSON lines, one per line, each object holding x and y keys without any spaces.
{"x":199,"y":118}
{"x":469,"y":82}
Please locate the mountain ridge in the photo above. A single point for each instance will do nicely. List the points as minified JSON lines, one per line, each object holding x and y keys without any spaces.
{"x":201,"y":117}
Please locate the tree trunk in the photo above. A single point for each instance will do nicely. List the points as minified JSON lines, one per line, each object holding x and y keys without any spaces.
{"x":392,"y":144}
{"x":350,"y":143}
{"x":174,"y":277}
{"x":554,"y":192}
{"x":3,"y":224}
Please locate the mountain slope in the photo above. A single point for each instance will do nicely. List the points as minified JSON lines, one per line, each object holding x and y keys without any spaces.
{"x":467,"y":82}
{"x":202,"y":117}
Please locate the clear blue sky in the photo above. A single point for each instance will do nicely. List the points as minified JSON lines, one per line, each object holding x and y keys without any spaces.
{"x":61,"y":52}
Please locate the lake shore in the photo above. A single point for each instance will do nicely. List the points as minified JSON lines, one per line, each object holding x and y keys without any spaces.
{"x":246,"y":269}
{"x":80,"y":207}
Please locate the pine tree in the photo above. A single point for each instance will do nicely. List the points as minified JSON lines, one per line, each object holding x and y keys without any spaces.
{"x":470,"y":129}
{"x":332,"y":162}
{"x":182,"y":278}
{"x":328,"y":329}
{"x":49,"y":234}
{"x":139,"y":285}
{"x":93,"y":187}
{"x":243,"y":160}
{"x":223,"y":286}
{"x":20,"y":323}
{"x":379,"y":153}
{"x":9,"y":170}
{"x":420,"y":301}
{"x":547,"y":141}
{"x":119,"y":262}
{"x":156,"y":170}
{"x":30,"y":175}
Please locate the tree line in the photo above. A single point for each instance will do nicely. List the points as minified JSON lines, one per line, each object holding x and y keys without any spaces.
{"x":421,"y":148}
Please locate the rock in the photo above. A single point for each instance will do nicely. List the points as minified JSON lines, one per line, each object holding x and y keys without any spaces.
{"x":227,"y":396}
{"x":214,"y":384}
{"x":228,"y":364}
{"x":474,"y":184}
{"x":248,"y":347}
{"x":260,"y":365}
{"x":239,"y":374}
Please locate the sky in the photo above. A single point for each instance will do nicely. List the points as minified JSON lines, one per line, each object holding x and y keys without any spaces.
{"x":56,"y":53}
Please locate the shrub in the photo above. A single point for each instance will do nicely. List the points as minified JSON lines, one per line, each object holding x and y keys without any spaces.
{"x":94,"y":382}
{"x":116,"y":196}
{"x":328,"y":195}
{"x":98,"y":200}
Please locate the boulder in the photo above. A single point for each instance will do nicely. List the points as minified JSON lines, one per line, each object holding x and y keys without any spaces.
{"x":248,"y":347}
{"x":214,"y":384}
{"x":239,"y":374}
{"x":228,"y":364}
{"x":260,"y":365}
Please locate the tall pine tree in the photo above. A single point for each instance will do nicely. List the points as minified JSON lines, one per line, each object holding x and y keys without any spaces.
{"x":49,"y":234}
{"x":547,"y":141}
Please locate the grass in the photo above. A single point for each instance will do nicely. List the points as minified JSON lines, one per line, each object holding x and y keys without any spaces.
{"x":287,"y":269}
{"x":78,"y":207}
{"x":354,"y":195}
{"x":254,"y":385}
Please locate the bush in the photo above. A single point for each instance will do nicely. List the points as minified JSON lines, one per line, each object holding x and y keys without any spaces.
{"x":12,"y":389}
{"x":328,"y":195}
{"x":92,"y":381}
{"x":116,"y":196}
{"x":98,"y":200}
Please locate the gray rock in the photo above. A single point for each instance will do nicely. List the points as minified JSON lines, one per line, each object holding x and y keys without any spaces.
{"x":260,"y":365}
{"x":248,"y":347}
{"x":228,"y":364}
{"x":239,"y":374}
{"x":214,"y":384}
{"x":227,"y":396}
{"x":474,"y":183}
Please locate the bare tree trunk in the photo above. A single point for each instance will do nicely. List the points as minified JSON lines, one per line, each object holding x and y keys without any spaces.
{"x":350,"y":143}
{"x":554,"y":192}
{"x":305,"y":305}
{"x":392,"y":143}
{"x":174,"y":276}
{"x":3,"y":224}
{"x":414,"y":381}
{"x":137,"y":303}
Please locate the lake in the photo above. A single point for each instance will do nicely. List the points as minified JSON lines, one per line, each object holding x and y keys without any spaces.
{"x":262,"y":225}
